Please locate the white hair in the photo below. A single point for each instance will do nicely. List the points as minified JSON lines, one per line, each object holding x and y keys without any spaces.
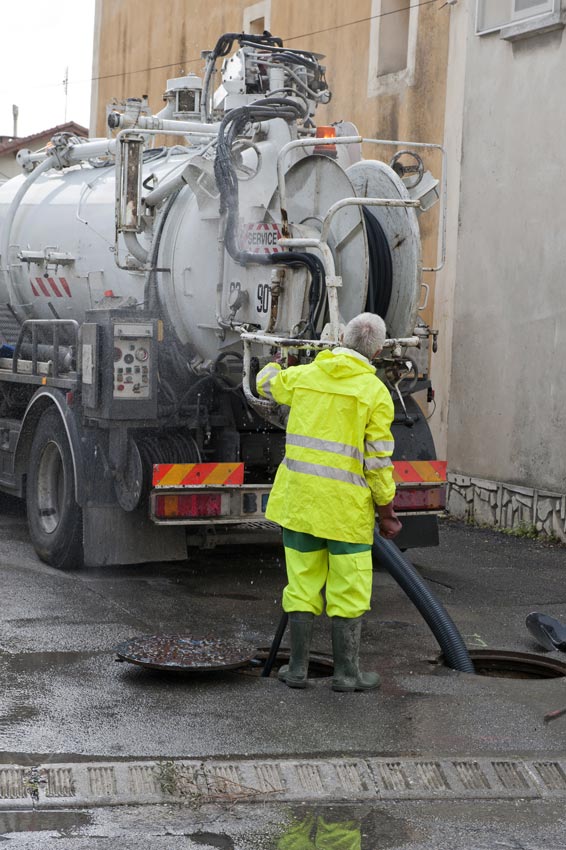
{"x":365,"y":333}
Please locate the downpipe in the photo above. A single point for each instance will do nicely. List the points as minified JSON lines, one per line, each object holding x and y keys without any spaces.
{"x":429,"y":607}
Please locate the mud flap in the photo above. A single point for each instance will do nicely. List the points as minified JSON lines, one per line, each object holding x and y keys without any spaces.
{"x":417,"y":532}
{"x":114,"y":536}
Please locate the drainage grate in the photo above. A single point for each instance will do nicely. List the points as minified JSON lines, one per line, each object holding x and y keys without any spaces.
{"x":12,"y":784}
{"x":268,"y":778}
{"x":142,"y":780}
{"x":391,"y":776}
{"x":511,"y":775}
{"x":471,"y":775}
{"x":60,"y":783}
{"x":310,"y":778}
{"x":551,"y":774}
{"x":292,"y":780}
{"x":431,"y":777}
{"x":102,"y":781}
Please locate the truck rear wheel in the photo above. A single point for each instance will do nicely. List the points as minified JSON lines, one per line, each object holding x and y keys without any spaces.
{"x":54,"y":517}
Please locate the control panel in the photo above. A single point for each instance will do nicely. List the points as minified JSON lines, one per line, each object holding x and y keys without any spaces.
{"x":132,"y":361}
{"x":119,"y":363}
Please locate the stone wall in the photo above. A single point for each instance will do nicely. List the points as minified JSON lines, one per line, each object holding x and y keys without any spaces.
{"x":506,"y":505}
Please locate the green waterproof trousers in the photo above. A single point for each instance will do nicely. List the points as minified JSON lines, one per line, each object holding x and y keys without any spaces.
{"x":312,"y":563}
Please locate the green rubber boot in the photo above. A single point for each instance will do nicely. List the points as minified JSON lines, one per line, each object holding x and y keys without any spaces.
{"x":346,"y":636}
{"x":296,"y":671}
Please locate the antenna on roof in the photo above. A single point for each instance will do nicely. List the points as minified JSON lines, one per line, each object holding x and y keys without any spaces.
{"x":66,"y":89}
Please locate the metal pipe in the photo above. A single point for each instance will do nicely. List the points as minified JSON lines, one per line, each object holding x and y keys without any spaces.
{"x":35,"y":347}
{"x":290,"y":342}
{"x":360,"y":202}
{"x":221,"y":321}
{"x":152,"y":122}
{"x":74,"y":154}
{"x":164,"y":189}
{"x":333,"y":281}
{"x":134,"y":246}
{"x":277,"y":277}
{"x":284,"y":341}
{"x":91,"y":150}
{"x":254,"y":402}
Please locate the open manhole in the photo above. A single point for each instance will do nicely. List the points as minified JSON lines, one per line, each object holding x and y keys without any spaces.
{"x":504,"y":664}
{"x":320,"y":666}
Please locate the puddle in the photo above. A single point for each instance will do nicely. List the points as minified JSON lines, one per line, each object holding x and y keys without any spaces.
{"x":37,"y":662}
{"x":63,"y":823}
{"x":342,"y":828}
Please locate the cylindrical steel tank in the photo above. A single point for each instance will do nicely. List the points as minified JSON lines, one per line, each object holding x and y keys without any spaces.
{"x":68,"y":217}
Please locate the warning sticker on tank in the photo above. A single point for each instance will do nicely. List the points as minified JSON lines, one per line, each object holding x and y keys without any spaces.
{"x":260,"y":238}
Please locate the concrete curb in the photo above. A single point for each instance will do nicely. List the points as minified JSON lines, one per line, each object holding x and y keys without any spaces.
{"x":88,"y":784}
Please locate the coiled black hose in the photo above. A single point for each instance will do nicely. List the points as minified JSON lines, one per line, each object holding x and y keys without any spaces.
{"x":380,"y":277}
{"x":428,"y":606}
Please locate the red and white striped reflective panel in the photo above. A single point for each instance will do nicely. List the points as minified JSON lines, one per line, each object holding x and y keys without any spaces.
{"x":419,"y":471}
{"x":195,"y":474}
{"x":50,"y":287}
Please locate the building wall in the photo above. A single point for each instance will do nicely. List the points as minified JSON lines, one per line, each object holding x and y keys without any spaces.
{"x":8,"y":167}
{"x":140,"y":44}
{"x":508,"y":387}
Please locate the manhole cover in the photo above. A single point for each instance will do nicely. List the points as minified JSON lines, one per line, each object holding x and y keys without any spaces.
{"x":503,"y":664}
{"x":320,"y":666}
{"x":185,"y":653}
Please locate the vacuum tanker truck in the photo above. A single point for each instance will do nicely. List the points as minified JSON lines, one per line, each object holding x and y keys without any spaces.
{"x":146,"y":277}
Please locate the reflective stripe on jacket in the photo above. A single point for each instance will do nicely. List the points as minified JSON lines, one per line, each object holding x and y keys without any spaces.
{"x":338,"y":450}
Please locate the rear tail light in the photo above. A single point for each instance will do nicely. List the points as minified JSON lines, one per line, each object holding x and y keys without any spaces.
{"x":326,"y":132}
{"x":188,"y":505}
{"x":420,"y":499}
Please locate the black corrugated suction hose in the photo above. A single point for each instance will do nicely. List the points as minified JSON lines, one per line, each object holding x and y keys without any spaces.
{"x":430,"y":608}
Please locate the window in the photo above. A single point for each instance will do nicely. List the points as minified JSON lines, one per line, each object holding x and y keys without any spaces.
{"x":492,"y":15}
{"x":257,"y":18}
{"x":257,"y":26}
{"x":393,"y":38}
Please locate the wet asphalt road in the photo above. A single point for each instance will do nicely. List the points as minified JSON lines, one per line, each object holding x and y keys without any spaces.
{"x":63,"y":698}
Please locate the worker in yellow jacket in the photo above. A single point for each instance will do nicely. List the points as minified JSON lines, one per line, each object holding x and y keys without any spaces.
{"x":337,"y":469}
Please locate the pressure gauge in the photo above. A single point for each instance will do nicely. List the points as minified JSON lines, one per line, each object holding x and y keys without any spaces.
{"x":142,"y":354}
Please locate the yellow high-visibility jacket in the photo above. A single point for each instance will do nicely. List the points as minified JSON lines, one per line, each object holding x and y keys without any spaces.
{"x":338,"y":449}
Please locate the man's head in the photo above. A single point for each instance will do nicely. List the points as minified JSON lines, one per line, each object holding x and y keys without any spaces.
{"x":366,"y":334}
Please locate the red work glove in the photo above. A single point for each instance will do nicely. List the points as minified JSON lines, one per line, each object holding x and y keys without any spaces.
{"x":389,"y":523}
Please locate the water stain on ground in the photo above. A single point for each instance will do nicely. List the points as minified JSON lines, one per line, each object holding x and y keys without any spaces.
{"x":212,"y":839}
{"x":20,"y":714}
{"x":64,"y":823}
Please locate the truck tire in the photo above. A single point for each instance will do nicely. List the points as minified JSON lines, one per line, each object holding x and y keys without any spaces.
{"x":54,"y":517}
